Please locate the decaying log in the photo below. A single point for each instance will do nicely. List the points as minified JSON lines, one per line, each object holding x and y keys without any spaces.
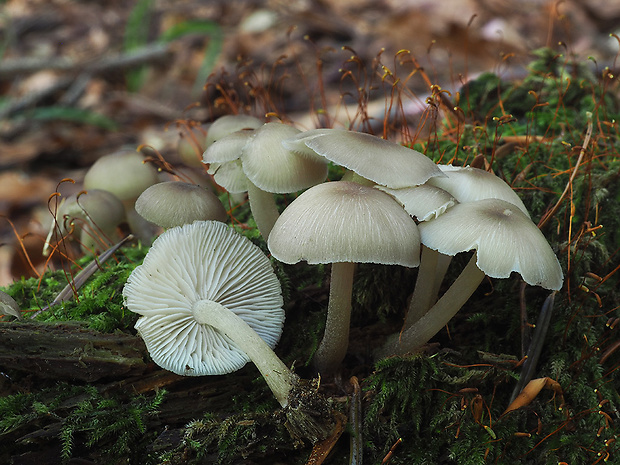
{"x":70,"y":350}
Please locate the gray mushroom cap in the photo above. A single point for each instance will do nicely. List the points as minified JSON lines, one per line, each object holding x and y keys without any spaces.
{"x":424,"y":202}
{"x":206,"y":260}
{"x":343,"y":221}
{"x":506,"y":240}
{"x":174,"y":203}
{"x":123,"y":173}
{"x":379,"y":160}
{"x":8,"y":306}
{"x":228,"y":124}
{"x":468,"y":184}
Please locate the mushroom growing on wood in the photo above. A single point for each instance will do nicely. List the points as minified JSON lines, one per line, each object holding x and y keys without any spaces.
{"x":465,"y":184}
{"x":505,"y":240}
{"x":8,"y":306}
{"x":343,"y":223}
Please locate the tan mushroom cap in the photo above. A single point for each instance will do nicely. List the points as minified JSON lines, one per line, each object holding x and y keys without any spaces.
{"x":174,"y":203}
{"x":505,"y":239}
{"x":343,"y":221}
{"x":202,"y":261}
{"x":469,"y":184}
{"x":379,"y":160}
{"x":123,"y":173}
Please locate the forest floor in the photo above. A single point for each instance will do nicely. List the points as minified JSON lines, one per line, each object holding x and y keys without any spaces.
{"x":79,"y":80}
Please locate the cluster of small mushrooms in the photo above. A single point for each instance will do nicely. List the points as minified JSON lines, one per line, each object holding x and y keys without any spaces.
{"x":208,"y":297}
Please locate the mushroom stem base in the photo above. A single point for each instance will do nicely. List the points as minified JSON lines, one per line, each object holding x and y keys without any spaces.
{"x":279,"y":378}
{"x":438,"y":316}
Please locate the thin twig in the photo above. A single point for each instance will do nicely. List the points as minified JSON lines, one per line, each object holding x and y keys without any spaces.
{"x":582,"y":152}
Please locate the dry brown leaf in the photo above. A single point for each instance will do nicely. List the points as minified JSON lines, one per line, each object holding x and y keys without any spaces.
{"x":531,"y":390}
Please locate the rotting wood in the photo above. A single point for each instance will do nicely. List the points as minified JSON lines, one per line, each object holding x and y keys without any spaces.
{"x":70,"y":350}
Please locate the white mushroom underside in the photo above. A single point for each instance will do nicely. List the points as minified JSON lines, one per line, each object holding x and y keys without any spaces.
{"x":506,"y":241}
{"x":187,"y":264}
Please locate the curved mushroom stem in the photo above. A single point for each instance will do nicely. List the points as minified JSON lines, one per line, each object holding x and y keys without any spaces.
{"x":433,"y":267}
{"x":279,"y":378}
{"x":264,"y":209}
{"x":333,"y":347}
{"x":438,"y":315}
{"x":424,"y":286}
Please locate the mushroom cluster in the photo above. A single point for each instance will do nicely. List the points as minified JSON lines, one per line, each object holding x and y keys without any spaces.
{"x":209,"y":300}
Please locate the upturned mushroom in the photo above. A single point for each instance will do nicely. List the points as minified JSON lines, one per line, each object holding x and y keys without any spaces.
{"x":210,"y":302}
{"x":343,"y":223}
{"x":505,"y":240}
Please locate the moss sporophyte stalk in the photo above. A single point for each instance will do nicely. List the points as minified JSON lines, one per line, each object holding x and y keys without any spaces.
{"x":123,"y":391}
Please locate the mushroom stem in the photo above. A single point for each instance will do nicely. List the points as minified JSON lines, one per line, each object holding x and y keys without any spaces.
{"x":279,"y":378}
{"x":438,"y":315}
{"x":421,"y":300}
{"x":433,"y":267}
{"x":264,"y":209}
{"x":333,"y":347}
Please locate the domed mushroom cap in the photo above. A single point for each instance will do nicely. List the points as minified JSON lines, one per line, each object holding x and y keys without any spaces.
{"x":206,"y":260}
{"x":96,"y":206}
{"x":273,"y":168}
{"x":382,"y":161}
{"x":124,"y":174}
{"x":174,"y":203}
{"x":469,"y":184}
{"x":506,"y":240}
{"x":343,"y":221}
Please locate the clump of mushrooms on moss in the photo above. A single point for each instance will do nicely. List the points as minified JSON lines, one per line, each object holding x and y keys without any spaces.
{"x":210,"y":302}
{"x":504,"y":240}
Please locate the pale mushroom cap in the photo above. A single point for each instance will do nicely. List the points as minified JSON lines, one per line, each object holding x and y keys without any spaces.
{"x":8,"y":306}
{"x":228,"y":124}
{"x":98,"y":207}
{"x":342,"y":221}
{"x":382,"y":161}
{"x":425,"y":202}
{"x":124,"y":174}
{"x":203,"y":260}
{"x":469,"y":184}
{"x":230,"y":176}
{"x":505,"y":239}
{"x":273,"y":168}
{"x":228,"y":148}
{"x":174,"y":203}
